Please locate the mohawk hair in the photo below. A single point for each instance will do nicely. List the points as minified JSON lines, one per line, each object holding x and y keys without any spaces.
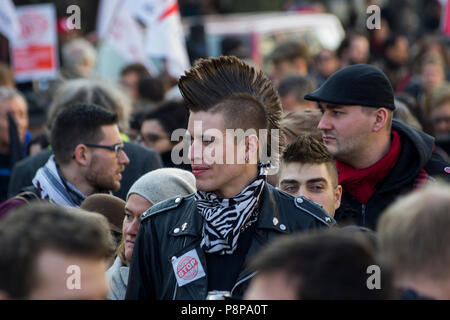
{"x":215,"y":80}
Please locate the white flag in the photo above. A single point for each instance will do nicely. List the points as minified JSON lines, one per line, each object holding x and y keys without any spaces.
{"x":105,"y":16}
{"x":9,"y":24}
{"x":164,"y":36}
{"x":119,"y":32}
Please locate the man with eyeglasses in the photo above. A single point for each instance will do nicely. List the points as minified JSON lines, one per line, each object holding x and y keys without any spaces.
{"x":88,"y":156}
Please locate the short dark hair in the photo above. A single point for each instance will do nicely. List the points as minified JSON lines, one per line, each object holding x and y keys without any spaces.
{"x":171,"y":115}
{"x":151,"y":88}
{"x":220,"y":84}
{"x":350,"y":36}
{"x":290,"y":50}
{"x":391,"y":41}
{"x":327,"y":264}
{"x":26,"y":232}
{"x":298,"y":85}
{"x":138,"y":68}
{"x":307,"y":149}
{"x":80,"y":123}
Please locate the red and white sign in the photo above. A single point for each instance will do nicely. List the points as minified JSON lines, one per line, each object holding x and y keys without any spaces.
{"x":34,"y":52}
{"x":188,"y":268}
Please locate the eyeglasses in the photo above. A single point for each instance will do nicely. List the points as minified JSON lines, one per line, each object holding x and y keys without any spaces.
{"x":150,"y":138}
{"x":117,"y":148}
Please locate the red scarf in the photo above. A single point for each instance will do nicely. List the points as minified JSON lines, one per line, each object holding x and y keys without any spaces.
{"x":360,"y":183}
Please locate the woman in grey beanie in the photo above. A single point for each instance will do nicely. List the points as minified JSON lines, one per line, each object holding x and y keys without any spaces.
{"x":148,"y":190}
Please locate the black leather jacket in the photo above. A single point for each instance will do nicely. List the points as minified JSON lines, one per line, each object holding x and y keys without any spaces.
{"x":173,"y":228}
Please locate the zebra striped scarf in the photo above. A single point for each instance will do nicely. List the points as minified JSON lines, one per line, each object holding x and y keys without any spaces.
{"x":52,"y":186}
{"x":225,"y":218}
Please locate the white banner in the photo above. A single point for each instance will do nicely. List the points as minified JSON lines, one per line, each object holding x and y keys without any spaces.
{"x":9,"y":24}
{"x":34,"y":53}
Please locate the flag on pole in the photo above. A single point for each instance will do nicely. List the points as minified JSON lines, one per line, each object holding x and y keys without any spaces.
{"x":9,"y":23}
{"x":121,"y":39}
{"x":164,"y":35}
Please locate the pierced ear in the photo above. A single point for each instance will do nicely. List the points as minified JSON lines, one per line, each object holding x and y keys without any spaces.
{"x":381,"y":116}
{"x":81,"y":154}
{"x":251,"y":148}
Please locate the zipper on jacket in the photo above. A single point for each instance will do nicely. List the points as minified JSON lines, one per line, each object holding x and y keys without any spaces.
{"x":175,"y":291}
{"x":176,"y":282}
{"x":363,"y":211}
{"x":242,"y":280}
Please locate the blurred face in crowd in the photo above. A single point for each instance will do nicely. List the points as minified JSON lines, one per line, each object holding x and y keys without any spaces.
{"x":345,"y":130}
{"x":54,"y":280}
{"x":313,"y":181}
{"x":291,"y":104}
{"x":18,"y":108}
{"x":286,"y":67}
{"x":272,"y":285}
{"x":129,"y":82}
{"x":440,"y":119}
{"x":135,"y":207}
{"x":399,"y":52}
{"x":432,"y":75}
{"x":154,"y":136}
{"x":359,"y":50}
{"x":381,"y":34}
{"x":208,"y":152}
{"x":327,"y":63}
{"x":105,"y":168}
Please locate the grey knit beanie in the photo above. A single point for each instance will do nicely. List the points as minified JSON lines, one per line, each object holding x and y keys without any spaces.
{"x":162,"y":184}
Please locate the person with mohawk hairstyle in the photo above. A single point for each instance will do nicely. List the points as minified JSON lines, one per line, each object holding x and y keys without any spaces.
{"x":196,"y":247}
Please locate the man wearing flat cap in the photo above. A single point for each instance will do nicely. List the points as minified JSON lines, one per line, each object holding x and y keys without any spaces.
{"x":377,"y":158}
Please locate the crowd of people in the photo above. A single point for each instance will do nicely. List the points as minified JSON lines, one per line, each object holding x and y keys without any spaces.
{"x":147,"y":190}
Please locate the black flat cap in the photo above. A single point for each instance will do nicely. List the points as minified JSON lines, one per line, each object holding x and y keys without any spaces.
{"x":359,"y":84}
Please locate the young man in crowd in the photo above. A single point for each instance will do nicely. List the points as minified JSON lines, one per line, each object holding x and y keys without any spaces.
{"x":88,"y":156}
{"x":377,"y":158}
{"x":308,"y":169}
{"x":49,"y":252}
{"x":142,"y":159}
{"x":193,"y":246}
